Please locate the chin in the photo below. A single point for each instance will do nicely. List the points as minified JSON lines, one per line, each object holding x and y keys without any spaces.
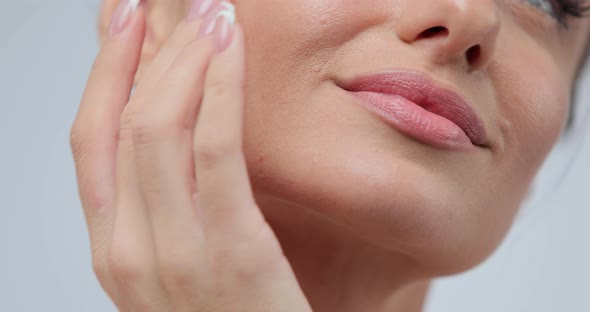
{"x":399,"y":204}
{"x":342,"y":163}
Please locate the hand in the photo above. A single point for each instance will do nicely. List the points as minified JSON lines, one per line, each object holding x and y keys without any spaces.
{"x":162,"y":177}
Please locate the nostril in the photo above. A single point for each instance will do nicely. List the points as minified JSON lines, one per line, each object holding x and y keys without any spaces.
{"x":473,"y":54}
{"x":434,"y":32}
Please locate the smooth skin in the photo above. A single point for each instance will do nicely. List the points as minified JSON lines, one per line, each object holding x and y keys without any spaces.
{"x":163,"y":238}
{"x":366,"y":216}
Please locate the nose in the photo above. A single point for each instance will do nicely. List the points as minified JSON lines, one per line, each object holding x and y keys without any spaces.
{"x":452,"y":30}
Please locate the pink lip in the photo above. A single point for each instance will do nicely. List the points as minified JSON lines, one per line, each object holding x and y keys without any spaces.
{"x":419,"y":108}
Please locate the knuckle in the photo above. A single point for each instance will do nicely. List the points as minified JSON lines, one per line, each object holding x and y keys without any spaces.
{"x":79,"y":141}
{"x":99,"y":261}
{"x":254,"y":255}
{"x":100,"y":270}
{"x":236,"y":264}
{"x":177,"y":272}
{"x":257,"y":254}
{"x":83,"y":148}
{"x":143,"y":129}
{"x":75,"y":134}
{"x":125,"y":269}
{"x":210,"y":152}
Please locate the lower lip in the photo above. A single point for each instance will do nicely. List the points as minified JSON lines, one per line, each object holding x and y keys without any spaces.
{"x":414,"y":121}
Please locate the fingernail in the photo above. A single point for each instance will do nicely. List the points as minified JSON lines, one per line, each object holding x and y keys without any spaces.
{"x":122,"y":15}
{"x":220,"y":23}
{"x":199,"y":8}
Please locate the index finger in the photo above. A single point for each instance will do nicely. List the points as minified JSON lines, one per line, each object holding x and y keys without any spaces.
{"x":94,"y":132}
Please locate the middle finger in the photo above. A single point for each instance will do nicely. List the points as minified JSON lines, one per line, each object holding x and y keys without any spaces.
{"x":163,"y":119}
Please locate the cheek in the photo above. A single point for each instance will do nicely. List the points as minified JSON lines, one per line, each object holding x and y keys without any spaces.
{"x":298,"y":37}
{"x":533,"y":98}
{"x":305,"y":145}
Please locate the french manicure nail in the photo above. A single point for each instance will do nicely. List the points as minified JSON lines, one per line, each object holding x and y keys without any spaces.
{"x":122,"y":15}
{"x":221,"y":25}
{"x":199,"y":8}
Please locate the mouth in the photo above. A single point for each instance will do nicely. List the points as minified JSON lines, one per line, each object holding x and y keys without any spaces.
{"x":419,"y":108}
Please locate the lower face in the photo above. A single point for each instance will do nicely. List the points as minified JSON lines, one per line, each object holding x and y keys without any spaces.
{"x":310,"y":143}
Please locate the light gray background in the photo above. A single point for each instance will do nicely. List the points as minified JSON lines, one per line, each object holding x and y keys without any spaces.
{"x":46,"y":51}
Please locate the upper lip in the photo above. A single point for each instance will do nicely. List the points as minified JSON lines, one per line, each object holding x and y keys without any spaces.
{"x":421,"y":90}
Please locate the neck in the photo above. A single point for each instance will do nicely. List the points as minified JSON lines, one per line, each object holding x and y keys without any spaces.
{"x":337,"y":270}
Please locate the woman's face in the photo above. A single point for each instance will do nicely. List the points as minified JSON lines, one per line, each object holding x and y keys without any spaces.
{"x":310,"y":143}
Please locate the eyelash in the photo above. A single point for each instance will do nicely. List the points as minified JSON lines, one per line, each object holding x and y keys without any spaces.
{"x":562,"y":10}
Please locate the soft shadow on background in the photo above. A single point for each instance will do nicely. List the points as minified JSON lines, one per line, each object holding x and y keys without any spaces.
{"x":46,"y":50}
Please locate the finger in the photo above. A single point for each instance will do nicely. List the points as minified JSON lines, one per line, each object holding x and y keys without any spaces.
{"x":163,"y":145}
{"x":94,"y":133}
{"x":183,"y":35}
{"x":131,"y":257}
{"x":165,"y":116}
{"x":225,"y":193}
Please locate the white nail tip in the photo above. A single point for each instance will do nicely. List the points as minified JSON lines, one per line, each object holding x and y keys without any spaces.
{"x":228,"y":13}
{"x":228,"y":6}
{"x":134,"y":4}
